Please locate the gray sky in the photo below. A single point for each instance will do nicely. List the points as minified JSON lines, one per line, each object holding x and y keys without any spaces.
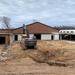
{"x":50,"y":12}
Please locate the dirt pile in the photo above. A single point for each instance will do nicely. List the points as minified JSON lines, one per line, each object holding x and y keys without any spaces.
{"x":51,"y":58}
{"x":16,"y":52}
{"x":55,"y":53}
{"x":47,"y":52}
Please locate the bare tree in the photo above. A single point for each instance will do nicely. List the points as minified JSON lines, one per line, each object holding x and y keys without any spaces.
{"x":5,"y":21}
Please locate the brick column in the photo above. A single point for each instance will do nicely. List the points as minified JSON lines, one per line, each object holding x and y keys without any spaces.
{"x":7,"y":40}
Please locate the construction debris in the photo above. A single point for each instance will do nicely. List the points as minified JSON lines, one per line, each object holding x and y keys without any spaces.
{"x":3,"y":53}
{"x":3,"y":58}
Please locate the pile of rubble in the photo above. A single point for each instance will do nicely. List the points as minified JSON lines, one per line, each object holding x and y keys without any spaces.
{"x":4,"y":51}
{"x":2,"y":58}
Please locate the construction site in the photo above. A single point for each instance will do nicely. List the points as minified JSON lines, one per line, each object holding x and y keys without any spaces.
{"x":37,"y":55}
{"x":49,"y":58}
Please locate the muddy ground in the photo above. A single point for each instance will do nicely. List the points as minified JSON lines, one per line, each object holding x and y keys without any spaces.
{"x":50,"y":58}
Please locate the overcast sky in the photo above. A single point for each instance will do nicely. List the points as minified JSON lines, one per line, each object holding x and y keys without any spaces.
{"x":50,"y":12}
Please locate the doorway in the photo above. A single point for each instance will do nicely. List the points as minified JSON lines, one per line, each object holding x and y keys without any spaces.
{"x":38,"y":36}
{"x":16,"y":37}
{"x":52,"y":37}
{"x":2,"y":40}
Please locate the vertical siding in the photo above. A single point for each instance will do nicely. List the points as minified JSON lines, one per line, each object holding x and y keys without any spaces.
{"x":56,"y":37}
{"x":19,"y":37}
{"x":31,"y":35}
{"x":45,"y":36}
{"x":11,"y":39}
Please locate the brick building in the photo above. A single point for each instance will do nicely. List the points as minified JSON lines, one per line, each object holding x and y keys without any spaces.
{"x":5,"y":36}
{"x":40,"y":30}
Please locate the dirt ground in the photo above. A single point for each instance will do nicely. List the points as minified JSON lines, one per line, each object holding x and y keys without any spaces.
{"x":50,"y":58}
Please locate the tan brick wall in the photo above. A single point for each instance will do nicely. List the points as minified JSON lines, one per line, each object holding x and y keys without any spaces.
{"x":40,"y":28}
{"x":36,"y":28}
{"x":5,"y":31}
{"x":18,"y":30}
